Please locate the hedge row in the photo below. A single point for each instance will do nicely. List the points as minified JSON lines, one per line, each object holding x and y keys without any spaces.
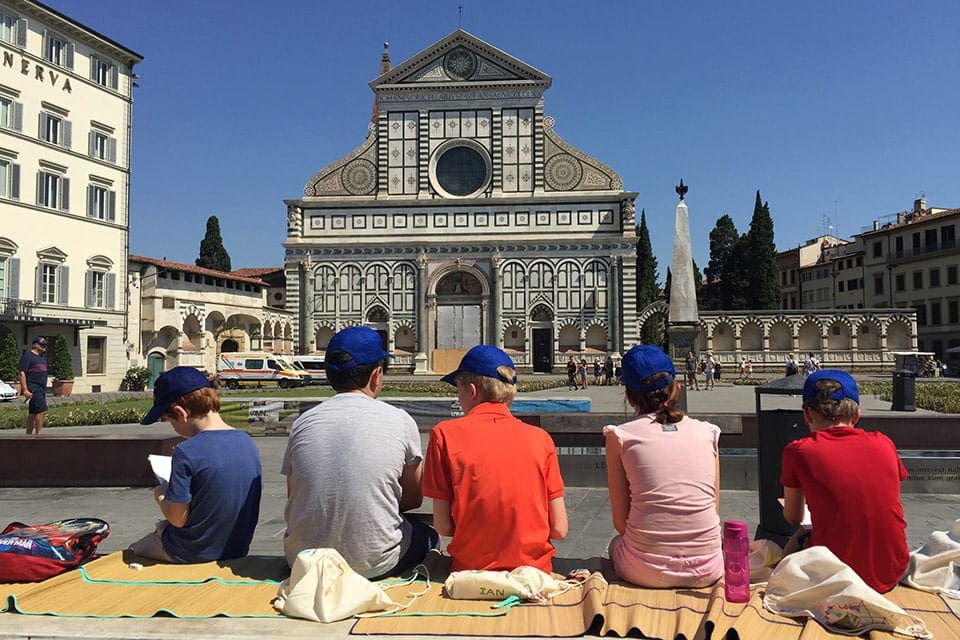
{"x":943,"y":397}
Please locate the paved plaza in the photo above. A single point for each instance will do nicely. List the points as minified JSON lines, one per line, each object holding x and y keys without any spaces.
{"x":132,"y":512}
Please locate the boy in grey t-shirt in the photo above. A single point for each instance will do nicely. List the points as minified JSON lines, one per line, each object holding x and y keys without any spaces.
{"x":353,"y":466}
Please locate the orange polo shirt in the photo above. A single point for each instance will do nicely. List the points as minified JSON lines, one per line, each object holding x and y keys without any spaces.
{"x":499,"y":475}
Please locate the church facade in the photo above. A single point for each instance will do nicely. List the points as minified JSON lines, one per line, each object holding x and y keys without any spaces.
{"x":464,"y":218}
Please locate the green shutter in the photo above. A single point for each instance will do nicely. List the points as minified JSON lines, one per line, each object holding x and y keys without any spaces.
{"x":65,"y":193}
{"x":111,"y":281}
{"x":63,"y":285}
{"x":13,"y":278}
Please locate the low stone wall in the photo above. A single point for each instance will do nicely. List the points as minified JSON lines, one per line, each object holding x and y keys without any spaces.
{"x":81,"y":461}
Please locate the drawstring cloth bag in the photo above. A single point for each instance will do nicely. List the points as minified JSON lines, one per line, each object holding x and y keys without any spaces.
{"x":37,"y":552}
{"x":322,"y":587}
{"x":936,"y":565}
{"x":817,"y":584}
{"x":525,"y":583}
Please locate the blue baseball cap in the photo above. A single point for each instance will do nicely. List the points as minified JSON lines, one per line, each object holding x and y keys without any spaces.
{"x":363,"y":344}
{"x":848,"y":386}
{"x":643,"y":361}
{"x":170,"y":387}
{"x":484,"y":360}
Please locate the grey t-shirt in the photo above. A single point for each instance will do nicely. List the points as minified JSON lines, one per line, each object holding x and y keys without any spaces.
{"x":344,"y":459}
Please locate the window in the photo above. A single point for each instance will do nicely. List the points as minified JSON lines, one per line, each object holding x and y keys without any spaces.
{"x":935,"y":277}
{"x":859,"y":261}
{"x":58,"y":51}
{"x":877,"y":249}
{"x":55,"y":130}
{"x":13,"y":30}
{"x":853,"y":284}
{"x":48,"y":283}
{"x":934,"y":313}
{"x":100,"y":284}
{"x":96,"y":354}
{"x":930,"y":239}
{"x":103,"y":73}
{"x":952,"y":274}
{"x":916,"y":242}
{"x":101,"y":203}
{"x":898,"y":246}
{"x":901,"y":282}
{"x":948,"y":239}
{"x":921,"y":315}
{"x":953,"y":312}
{"x":7,"y":27}
{"x":840,"y":265}
{"x":53,"y":190}
{"x":840,"y":286}
{"x":918,"y":280}
{"x":9,"y":180}
{"x":11,"y":114}
{"x":878,"y":284}
{"x":103,"y":146}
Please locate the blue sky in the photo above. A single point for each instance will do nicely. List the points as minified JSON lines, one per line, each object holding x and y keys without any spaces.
{"x":839,"y":112}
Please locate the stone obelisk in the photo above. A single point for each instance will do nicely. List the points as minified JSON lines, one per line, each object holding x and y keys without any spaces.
{"x":684,"y":321}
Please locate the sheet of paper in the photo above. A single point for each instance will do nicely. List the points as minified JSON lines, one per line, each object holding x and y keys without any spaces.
{"x":806,"y":515}
{"x":161,"y":467}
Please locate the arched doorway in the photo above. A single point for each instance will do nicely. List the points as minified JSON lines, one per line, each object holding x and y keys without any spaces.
{"x":379,"y":320}
{"x":459,"y":321}
{"x":229,"y":346}
{"x":155,"y":364}
{"x":541,"y":328}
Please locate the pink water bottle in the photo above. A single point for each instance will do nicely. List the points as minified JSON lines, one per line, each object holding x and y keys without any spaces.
{"x":736,"y":561}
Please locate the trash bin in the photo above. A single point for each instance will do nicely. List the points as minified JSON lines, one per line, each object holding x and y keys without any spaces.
{"x":904,"y":390}
{"x":776,"y":428}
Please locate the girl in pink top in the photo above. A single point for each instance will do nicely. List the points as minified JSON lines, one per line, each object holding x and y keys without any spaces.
{"x":663,"y":473}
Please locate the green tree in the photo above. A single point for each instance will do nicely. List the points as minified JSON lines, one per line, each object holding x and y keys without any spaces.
{"x":764,"y":282}
{"x":647,"y":288}
{"x":723,"y":240}
{"x":735,"y":278}
{"x":10,"y":359}
{"x":60,"y":362}
{"x":212,"y":253}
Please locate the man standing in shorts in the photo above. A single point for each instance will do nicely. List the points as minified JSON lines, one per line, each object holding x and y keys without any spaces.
{"x":33,"y":384}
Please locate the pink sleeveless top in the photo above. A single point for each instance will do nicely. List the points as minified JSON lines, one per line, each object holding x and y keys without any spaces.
{"x":673,"y":521}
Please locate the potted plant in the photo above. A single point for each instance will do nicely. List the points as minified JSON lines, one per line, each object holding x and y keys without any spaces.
{"x":10,"y":362}
{"x":60,"y":366}
{"x":136,"y":379}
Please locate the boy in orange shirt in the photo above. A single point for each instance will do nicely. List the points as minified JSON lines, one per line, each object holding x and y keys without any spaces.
{"x":495,"y":481}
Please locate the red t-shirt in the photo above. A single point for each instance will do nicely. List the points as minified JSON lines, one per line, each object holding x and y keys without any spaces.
{"x":850,"y":479}
{"x":499,"y":475}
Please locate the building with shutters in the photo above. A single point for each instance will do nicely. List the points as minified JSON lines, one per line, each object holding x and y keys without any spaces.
{"x":65,"y":123}
{"x":464,"y":218}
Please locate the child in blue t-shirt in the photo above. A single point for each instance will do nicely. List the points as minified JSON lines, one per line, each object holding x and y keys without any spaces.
{"x":211,"y":503}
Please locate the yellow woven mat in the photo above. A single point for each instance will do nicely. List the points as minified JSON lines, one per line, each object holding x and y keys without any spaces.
{"x":108,"y":587}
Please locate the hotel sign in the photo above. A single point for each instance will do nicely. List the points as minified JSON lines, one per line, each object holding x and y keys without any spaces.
{"x":37,"y":71}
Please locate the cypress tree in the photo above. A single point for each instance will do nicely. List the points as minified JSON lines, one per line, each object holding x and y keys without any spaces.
{"x":723,"y":240}
{"x":653,"y":330}
{"x":10,"y":359}
{"x":647,"y":276}
{"x":212,"y":253}
{"x":735,"y":278}
{"x":764,"y":284}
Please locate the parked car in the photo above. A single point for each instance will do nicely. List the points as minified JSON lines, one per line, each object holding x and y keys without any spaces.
{"x":7,"y":393}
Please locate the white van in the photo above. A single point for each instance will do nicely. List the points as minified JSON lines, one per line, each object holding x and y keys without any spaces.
{"x":236,"y":369}
{"x":314,"y":365}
